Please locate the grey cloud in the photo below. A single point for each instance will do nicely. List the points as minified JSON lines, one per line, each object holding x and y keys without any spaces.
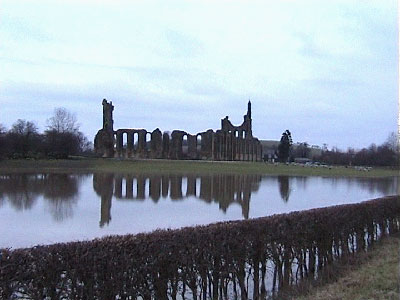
{"x":193,"y":81}
{"x":21,"y":30}
{"x":204,"y":87}
{"x":332,"y":83}
{"x":309,"y":46}
{"x":20,"y":61}
{"x":183,"y":45}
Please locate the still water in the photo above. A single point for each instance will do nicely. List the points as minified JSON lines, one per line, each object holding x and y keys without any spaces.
{"x":48,"y":208}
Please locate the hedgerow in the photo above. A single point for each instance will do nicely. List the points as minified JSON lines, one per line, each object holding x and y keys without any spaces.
{"x":237,"y":259}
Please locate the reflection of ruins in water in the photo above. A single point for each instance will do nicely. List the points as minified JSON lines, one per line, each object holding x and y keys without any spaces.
{"x":222,"y":188}
{"x":60,"y":192}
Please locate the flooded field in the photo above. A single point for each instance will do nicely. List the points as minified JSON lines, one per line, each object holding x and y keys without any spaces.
{"x":48,"y":208}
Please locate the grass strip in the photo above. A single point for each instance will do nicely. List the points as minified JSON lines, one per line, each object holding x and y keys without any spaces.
{"x":172,"y":166}
{"x":377,"y":277}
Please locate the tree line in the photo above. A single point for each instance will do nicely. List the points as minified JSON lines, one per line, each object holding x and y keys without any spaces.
{"x":61,"y":138}
{"x":386,"y":154}
{"x":381,"y":155}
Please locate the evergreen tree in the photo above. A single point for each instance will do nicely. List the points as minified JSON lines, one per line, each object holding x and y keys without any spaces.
{"x":285,"y":146}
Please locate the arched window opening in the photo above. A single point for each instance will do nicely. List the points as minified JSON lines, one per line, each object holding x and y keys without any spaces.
{"x":185,"y":145}
{"x":198,"y":143}
{"x":124,"y":140}
{"x":148,"y":140}
{"x":135,"y":140}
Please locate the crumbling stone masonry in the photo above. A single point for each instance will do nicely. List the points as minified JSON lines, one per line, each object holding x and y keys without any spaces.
{"x":228,"y":143}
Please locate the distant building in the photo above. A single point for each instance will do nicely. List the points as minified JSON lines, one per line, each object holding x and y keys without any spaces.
{"x":302,"y":160}
{"x":270,"y":150}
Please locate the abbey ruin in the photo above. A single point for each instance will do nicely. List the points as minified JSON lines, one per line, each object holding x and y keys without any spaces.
{"x":228,"y":143}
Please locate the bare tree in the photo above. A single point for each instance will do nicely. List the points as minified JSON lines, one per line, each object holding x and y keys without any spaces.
{"x":25,"y":128}
{"x":63,"y":121}
{"x":3,"y":129}
{"x":63,"y":137}
{"x":23,"y":138}
{"x":392,"y":141}
{"x":3,"y":132}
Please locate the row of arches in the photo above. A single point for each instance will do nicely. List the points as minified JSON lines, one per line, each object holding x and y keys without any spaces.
{"x":220,"y":145}
{"x":230,"y":147}
{"x":143,"y":144}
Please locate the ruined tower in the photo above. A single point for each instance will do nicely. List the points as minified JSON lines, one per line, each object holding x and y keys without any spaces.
{"x":108,"y":122}
{"x":244,"y":130}
{"x":104,"y":139}
{"x":248,"y":122}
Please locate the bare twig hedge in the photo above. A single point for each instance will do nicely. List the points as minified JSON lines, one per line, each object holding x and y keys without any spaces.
{"x":238,"y":259}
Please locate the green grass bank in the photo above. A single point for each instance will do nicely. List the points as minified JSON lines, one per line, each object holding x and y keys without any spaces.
{"x":199,"y":167}
{"x":376,"y":277}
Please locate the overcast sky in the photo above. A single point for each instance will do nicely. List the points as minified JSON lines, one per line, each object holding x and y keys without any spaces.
{"x":325,"y":70}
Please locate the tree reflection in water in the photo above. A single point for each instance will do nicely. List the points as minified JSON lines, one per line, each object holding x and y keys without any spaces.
{"x":284,"y":189}
{"x":224,"y":189}
{"x":23,"y":190}
{"x":61,"y":191}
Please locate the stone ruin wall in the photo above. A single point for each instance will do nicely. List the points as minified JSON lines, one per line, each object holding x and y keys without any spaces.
{"x":231,"y":143}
